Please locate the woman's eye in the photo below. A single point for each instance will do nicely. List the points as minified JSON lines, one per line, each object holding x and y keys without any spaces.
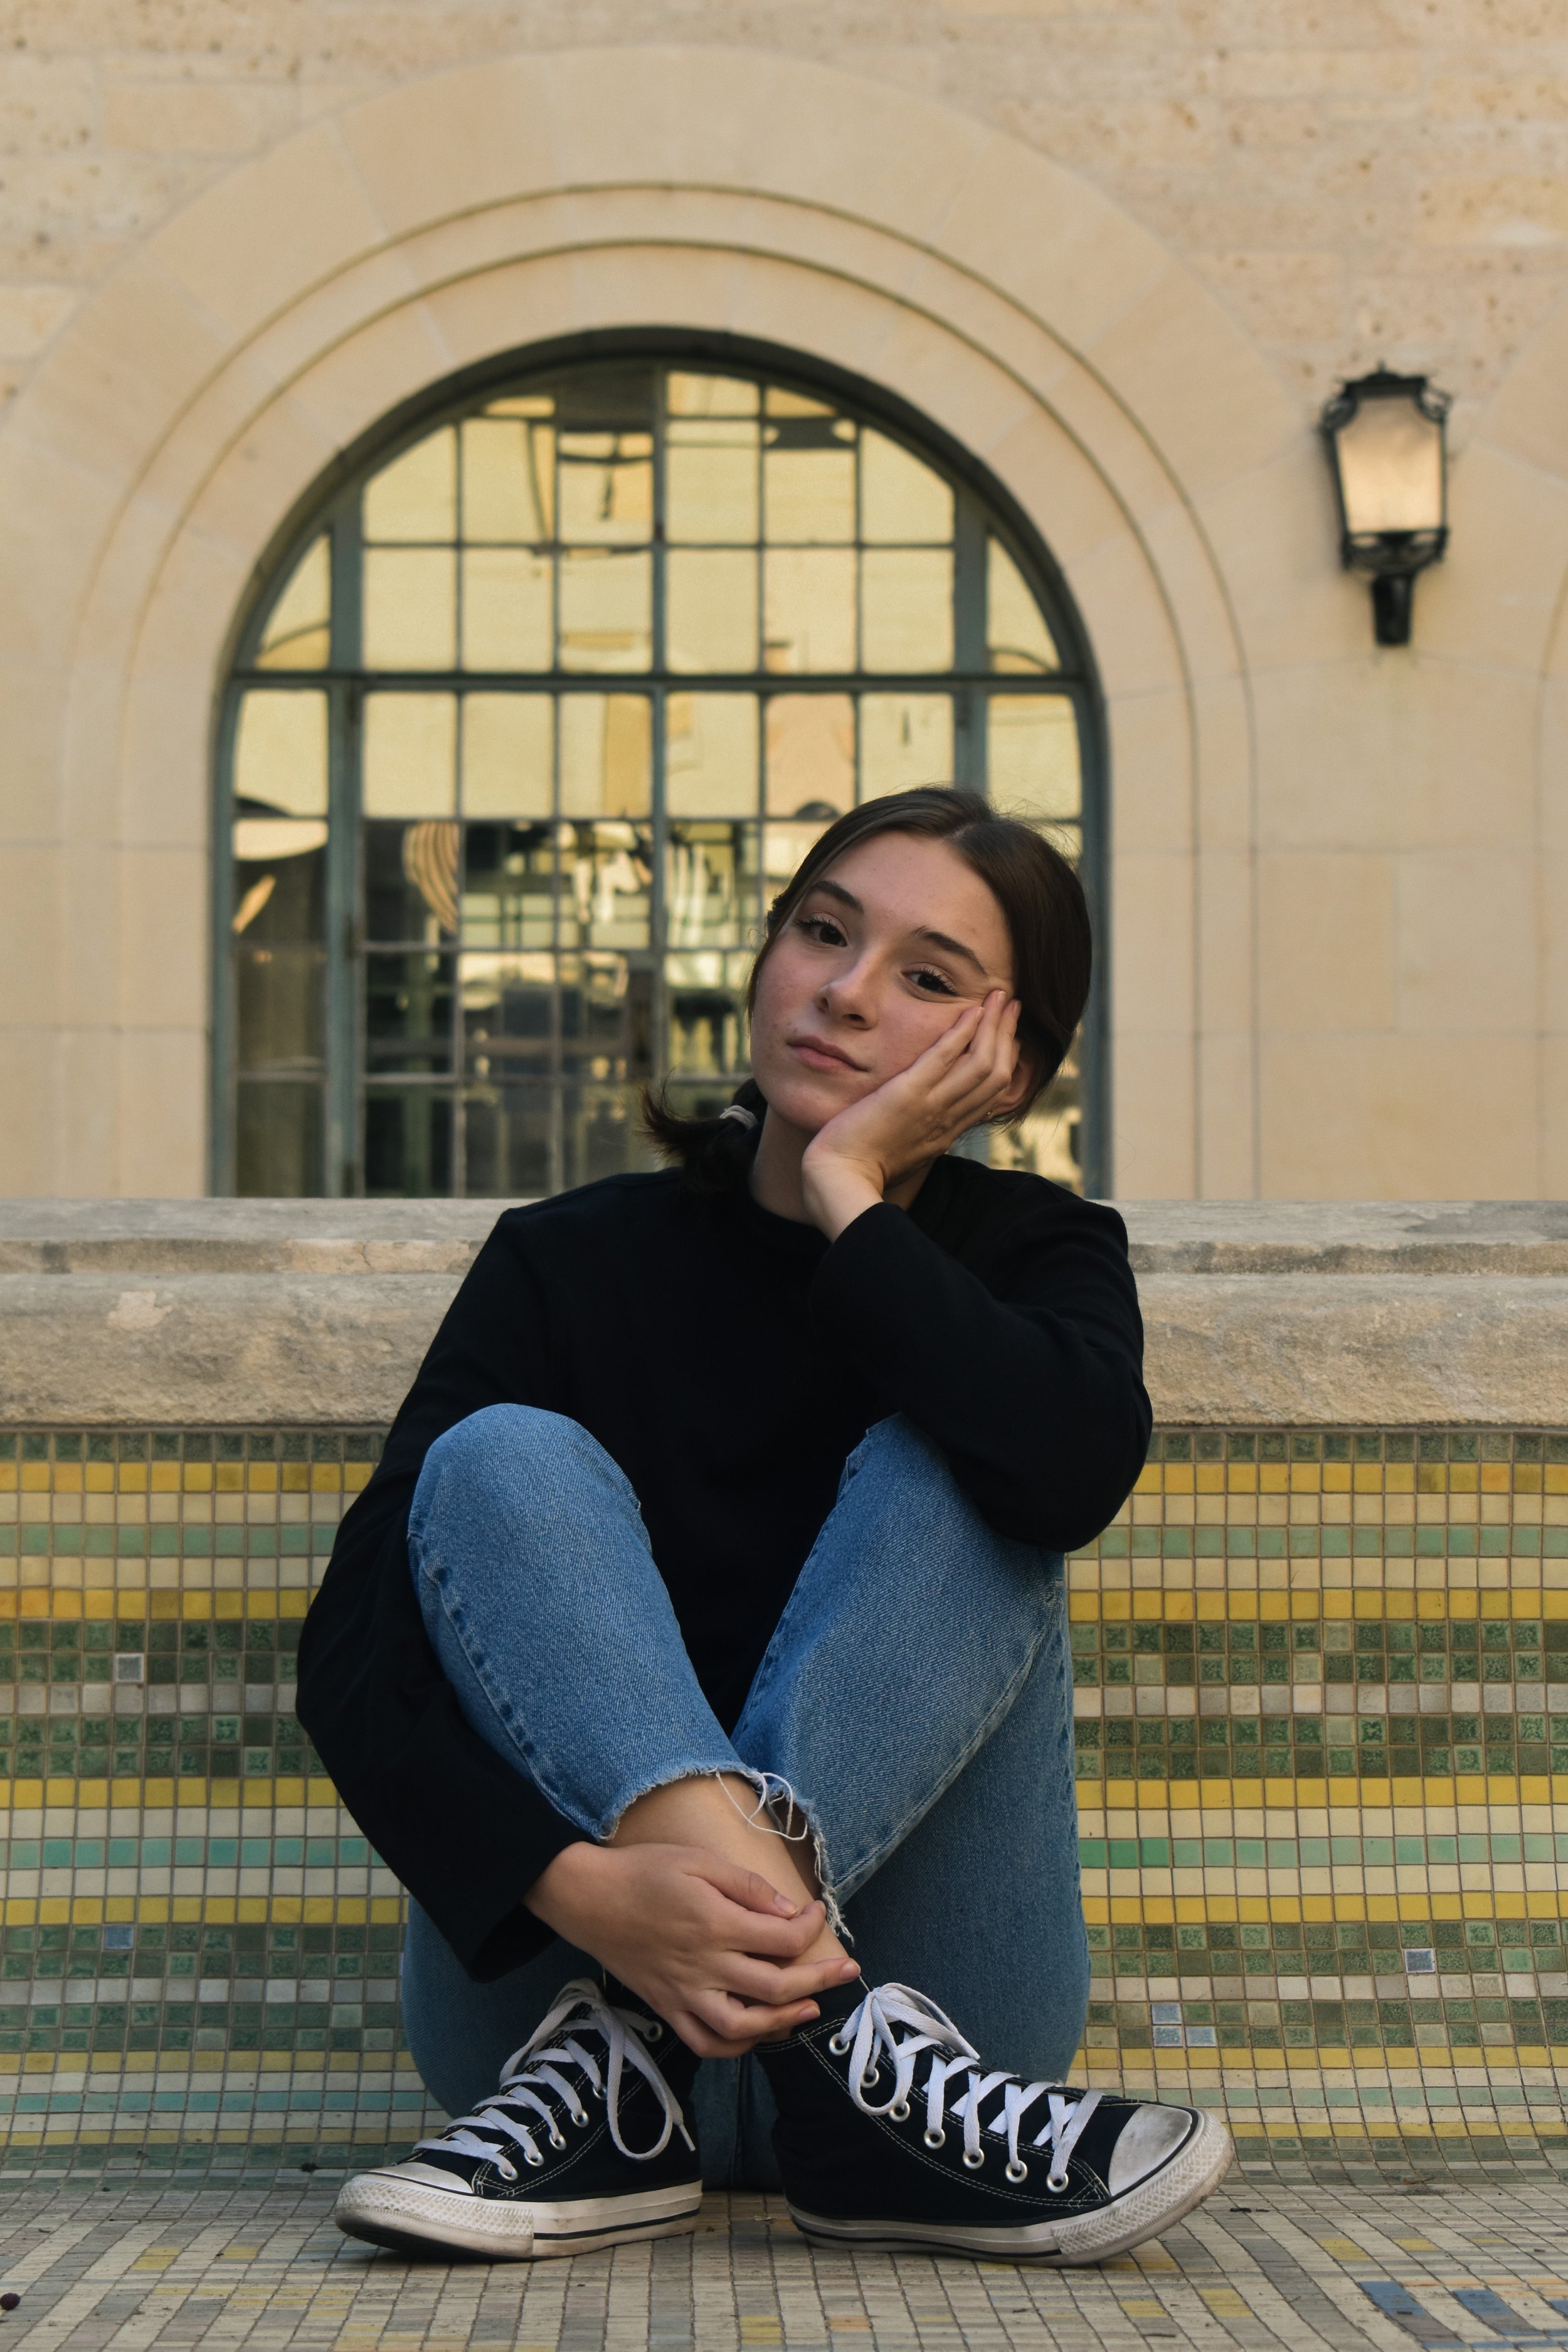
{"x":933,"y":984}
{"x":823,"y":930}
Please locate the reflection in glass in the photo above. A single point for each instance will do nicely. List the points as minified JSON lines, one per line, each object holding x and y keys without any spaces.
{"x":298,"y":633}
{"x":508,"y":1015}
{"x":279,"y":882}
{"x":810,"y":754}
{"x":509,"y":609}
{"x":709,"y":895}
{"x":1032,"y":756}
{"x":809,"y":607}
{"x":416,"y":498}
{"x":808,"y":473}
{"x":410,"y":881}
{"x":281,"y":752}
{"x":707,"y":1011}
{"x":280,"y":1004}
{"x":409,"y":1002}
{"x":607,"y":1018}
{"x":906,"y":609}
{"x":508,"y":755}
{"x":605,"y":488}
{"x":902,"y":501}
{"x":711,"y":395}
{"x":509,"y":895}
{"x":601,"y":1133}
{"x":710,"y":612}
{"x":710,"y":754}
{"x":1015,"y":630}
{"x":410,"y":756}
{"x":905,"y":739}
{"x":1049,"y":1141}
{"x":506,"y":1140}
{"x":607,"y":754}
{"x":606,"y":872}
{"x":410,"y":608}
{"x":607,"y":610}
{"x":784,"y":847}
{"x":407,"y":1143}
{"x":277,"y":1141}
{"x":509,"y":478}
{"x":712,"y":478}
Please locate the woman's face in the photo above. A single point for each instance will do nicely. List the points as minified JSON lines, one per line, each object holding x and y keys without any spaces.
{"x":880,"y":956}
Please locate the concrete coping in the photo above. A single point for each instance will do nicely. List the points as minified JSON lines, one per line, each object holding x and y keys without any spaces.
{"x":346,"y":1237}
{"x":259,"y":1313}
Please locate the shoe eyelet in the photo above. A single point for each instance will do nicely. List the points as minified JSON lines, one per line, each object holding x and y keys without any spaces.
{"x":935,"y":2139}
{"x":506,"y":2171}
{"x":537,"y":2159}
{"x":1019,"y":2171}
{"x":579,"y":2116}
{"x":837,"y":2047}
{"x":900,"y":2114}
{"x":874,"y":2076}
{"x":654,"y":2030}
{"x":1056,"y":2184}
{"x":557,"y":2139}
{"x":973,"y":2163}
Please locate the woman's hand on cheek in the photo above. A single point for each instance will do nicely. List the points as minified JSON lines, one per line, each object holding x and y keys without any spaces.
{"x":873,"y":1145}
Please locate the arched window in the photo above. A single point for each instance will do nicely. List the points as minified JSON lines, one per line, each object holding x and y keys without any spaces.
{"x":543,"y":700}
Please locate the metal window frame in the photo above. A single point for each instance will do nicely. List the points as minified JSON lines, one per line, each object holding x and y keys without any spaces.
{"x":333,"y":506}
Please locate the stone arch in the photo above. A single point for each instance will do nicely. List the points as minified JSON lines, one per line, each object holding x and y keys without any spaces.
{"x":149,"y":464}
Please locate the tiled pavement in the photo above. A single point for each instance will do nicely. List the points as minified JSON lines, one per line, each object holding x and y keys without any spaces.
{"x":1393,"y":2262}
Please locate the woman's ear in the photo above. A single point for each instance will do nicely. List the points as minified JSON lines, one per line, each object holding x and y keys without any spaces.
{"x":1020,"y":1085}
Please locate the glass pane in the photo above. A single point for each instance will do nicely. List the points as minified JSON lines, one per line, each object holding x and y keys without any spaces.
{"x":711,"y":614}
{"x":279,"y":881}
{"x":410,"y":608}
{"x":508,"y":755}
{"x":1015,"y":630}
{"x":278,"y":1142}
{"x":280,"y":753}
{"x":707,"y":998}
{"x":605,"y":488}
{"x":508,"y":896}
{"x":410,"y":880}
{"x":416,"y":498}
{"x":508,"y":479}
{"x":808,"y":476}
{"x":607,"y":754}
{"x":1032,"y":759}
{"x":1048,"y":1142}
{"x":508,"y":1015}
{"x":901,"y":499}
{"x":407,"y":1143}
{"x":606,"y":1019}
{"x":410,"y":755}
{"x":711,"y":396}
{"x":710,"y":754}
{"x":906,"y":609}
{"x":607,"y":610}
{"x":601,"y":1133}
{"x":712,"y":478}
{"x":509,"y":609}
{"x":711,"y":897}
{"x":784,"y":847}
{"x":409,"y":1000}
{"x":606,"y":872}
{"x":810,"y":755}
{"x":810,"y":608}
{"x":506,"y":1141}
{"x":905,"y":739}
{"x":280,"y":1010}
{"x":298,"y":635}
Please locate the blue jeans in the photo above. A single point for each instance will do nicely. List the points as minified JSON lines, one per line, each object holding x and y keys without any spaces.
{"x":916,"y":1696}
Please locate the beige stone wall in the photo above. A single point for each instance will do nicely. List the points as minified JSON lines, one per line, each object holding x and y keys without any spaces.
{"x":1121,"y":250}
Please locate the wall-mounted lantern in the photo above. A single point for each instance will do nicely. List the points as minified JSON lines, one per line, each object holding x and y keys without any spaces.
{"x":1386,"y":437}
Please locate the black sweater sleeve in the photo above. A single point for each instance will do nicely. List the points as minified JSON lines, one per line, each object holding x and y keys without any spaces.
{"x":464,"y":1832}
{"x":1029,"y":1379}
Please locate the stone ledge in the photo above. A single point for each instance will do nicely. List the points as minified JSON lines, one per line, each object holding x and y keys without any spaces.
{"x":229,"y":1313}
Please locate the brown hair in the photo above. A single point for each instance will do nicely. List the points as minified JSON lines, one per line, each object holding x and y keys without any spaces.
{"x":1042,"y":904}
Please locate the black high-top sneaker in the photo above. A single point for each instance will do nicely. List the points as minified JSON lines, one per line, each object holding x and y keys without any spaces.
{"x":960,"y":2158}
{"x":584,"y":2144}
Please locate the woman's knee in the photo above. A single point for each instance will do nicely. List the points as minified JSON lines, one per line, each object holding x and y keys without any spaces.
{"x":506,"y":1450}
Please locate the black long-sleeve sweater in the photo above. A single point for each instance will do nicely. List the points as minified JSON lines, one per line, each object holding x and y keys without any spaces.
{"x":730,"y":1361}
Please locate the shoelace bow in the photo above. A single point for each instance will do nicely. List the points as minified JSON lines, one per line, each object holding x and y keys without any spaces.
{"x":868,"y":2032}
{"x":535,"y":2069}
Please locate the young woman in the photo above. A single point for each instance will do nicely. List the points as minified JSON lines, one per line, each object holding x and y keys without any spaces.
{"x":697,"y":1657}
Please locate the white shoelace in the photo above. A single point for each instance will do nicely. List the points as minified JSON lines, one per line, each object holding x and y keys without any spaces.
{"x":868,"y":2032}
{"x":535,"y":2069}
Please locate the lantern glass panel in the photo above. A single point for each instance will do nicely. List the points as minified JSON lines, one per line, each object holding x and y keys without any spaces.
{"x":1391,"y":468}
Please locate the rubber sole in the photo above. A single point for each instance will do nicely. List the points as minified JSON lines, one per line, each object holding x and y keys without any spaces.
{"x":1193,"y":2173}
{"x":410,"y":2218}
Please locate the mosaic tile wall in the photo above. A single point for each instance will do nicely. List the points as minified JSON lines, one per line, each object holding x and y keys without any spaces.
{"x":1322,"y":1754}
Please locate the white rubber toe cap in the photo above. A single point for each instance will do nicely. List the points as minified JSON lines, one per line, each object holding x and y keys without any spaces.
{"x":1148,"y":2139}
